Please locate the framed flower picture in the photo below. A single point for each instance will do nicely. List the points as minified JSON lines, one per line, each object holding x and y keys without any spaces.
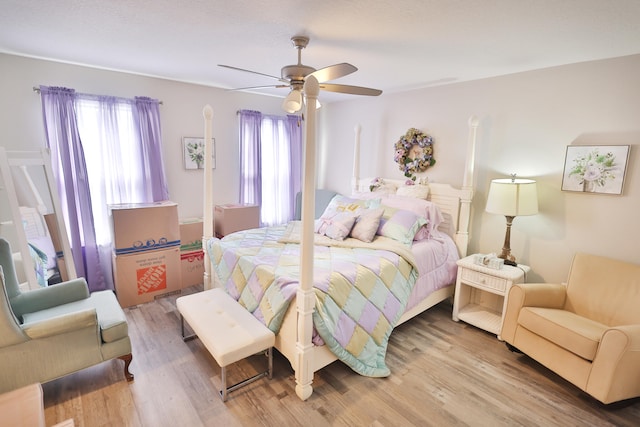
{"x":193,"y":149}
{"x":595,"y":168}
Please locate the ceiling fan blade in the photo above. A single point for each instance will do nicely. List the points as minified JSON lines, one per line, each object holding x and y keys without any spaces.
{"x":333,"y":72}
{"x":354,"y":90}
{"x":254,"y":72}
{"x":259,"y":87}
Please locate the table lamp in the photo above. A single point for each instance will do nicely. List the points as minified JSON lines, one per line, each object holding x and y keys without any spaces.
{"x":512,"y":197}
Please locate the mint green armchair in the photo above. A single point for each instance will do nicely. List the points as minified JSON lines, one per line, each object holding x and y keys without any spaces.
{"x":54,"y":331}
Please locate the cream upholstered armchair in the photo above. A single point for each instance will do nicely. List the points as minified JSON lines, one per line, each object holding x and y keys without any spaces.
{"x":588,"y":331}
{"x":54,"y":331}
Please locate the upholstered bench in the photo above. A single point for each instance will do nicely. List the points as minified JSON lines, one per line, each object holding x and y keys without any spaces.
{"x":228,"y":331}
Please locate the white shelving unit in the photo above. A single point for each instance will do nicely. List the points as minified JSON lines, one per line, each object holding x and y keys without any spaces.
{"x":480,"y":295}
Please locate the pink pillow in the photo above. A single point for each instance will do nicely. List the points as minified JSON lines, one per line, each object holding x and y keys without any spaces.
{"x":367,"y":224}
{"x":337,"y":227}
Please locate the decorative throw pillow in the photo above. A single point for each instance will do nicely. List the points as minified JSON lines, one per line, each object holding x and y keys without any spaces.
{"x":385,"y":189}
{"x":380,"y":186}
{"x":336,"y":227}
{"x":342,"y":203}
{"x":424,"y":208}
{"x":367,"y":224}
{"x":416,"y":191}
{"x":399,"y":224}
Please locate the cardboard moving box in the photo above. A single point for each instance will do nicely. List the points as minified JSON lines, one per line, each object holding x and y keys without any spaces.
{"x":143,"y":276}
{"x":235,"y":217}
{"x":192,"y":266}
{"x":191,"y":234}
{"x":191,"y":253}
{"x":141,"y":227}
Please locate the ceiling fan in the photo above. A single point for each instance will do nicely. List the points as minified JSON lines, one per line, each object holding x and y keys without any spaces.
{"x":293,"y":76}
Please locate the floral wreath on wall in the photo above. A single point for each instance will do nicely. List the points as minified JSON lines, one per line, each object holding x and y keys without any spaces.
{"x":414,"y":152}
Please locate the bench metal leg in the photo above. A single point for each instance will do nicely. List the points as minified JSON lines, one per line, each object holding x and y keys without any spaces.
{"x":224,"y":393}
{"x":189,"y":337}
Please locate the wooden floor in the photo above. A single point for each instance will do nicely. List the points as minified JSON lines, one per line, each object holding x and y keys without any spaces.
{"x":443,"y":373}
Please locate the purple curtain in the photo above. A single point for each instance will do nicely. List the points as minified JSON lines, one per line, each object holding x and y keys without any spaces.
{"x":250,"y":157}
{"x":67,"y":156}
{"x":146,"y":116}
{"x":117,"y":160}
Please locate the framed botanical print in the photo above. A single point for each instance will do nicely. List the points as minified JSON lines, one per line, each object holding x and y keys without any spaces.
{"x":595,"y":168}
{"x":193,"y":152}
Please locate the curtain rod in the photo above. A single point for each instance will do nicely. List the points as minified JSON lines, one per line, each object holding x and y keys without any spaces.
{"x":37,"y":90}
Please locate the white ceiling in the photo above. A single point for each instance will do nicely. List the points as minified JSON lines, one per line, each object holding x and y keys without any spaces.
{"x":397,"y":45}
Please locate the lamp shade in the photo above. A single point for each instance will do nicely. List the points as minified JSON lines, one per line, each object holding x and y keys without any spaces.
{"x":293,"y":102}
{"x":513,"y":197}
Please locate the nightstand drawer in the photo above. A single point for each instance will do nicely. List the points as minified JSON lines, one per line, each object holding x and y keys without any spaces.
{"x":484,"y":280}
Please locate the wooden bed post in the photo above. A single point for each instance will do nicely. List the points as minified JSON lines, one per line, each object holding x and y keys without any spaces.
{"x":207,"y":224}
{"x":356,"y":160}
{"x":462,"y":236}
{"x":305,"y":298}
{"x":471,"y":150}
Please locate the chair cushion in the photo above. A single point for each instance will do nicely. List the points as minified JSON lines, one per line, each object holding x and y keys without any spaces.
{"x":111,"y":318}
{"x":568,"y":330}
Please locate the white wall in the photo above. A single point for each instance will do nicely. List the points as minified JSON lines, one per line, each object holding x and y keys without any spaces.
{"x":181,"y":114}
{"x":526,"y":122}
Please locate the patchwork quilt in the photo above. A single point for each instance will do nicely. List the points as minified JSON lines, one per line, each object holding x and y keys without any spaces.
{"x":361,"y":288}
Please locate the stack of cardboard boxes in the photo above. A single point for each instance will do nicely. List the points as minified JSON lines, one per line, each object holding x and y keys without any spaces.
{"x":146,"y":256}
{"x":191,"y":252}
{"x":156,"y":254}
{"x":228,"y":219}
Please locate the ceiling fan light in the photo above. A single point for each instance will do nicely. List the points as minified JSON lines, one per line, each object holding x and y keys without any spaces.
{"x":293,"y":102}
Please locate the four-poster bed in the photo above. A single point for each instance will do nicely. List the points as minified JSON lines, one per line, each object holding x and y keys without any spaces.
{"x":295,"y":337}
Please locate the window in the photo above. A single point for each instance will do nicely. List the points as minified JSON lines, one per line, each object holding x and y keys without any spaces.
{"x":108,"y":138}
{"x":104,"y":150}
{"x":270,"y":159}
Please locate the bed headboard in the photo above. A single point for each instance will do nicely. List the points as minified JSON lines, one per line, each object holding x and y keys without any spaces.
{"x":322,"y":199}
{"x":455,"y":203}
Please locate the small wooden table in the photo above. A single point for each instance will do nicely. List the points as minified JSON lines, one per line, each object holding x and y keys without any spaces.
{"x":23,"y":407}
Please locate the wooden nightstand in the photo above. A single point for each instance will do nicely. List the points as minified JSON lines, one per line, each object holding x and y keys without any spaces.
{"x":480,"y":295}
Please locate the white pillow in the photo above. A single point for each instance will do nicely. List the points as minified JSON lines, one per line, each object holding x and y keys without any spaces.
{"x":380,"y":186}
{"x":417,"y":191}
